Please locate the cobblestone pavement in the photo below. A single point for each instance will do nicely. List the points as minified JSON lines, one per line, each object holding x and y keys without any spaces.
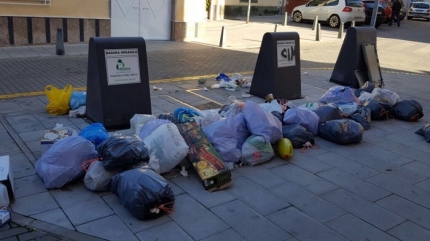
{"x":381,"y":187}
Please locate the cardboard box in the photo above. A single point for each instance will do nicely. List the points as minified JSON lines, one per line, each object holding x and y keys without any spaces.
{"x":6,"y":177}
{"x":204,"y":158}
{"x":4,"y":217}
{"x":52,"y":136}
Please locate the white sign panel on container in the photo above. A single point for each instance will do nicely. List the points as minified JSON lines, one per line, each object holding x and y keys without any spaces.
{"x":122,"y":66}
{"x":286,"y":53}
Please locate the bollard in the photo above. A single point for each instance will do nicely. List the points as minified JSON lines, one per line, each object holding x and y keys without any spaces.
{"x":60,"y":42}
{"x":223,"y":38}
{"x":314,"y":26}
{"x":276,"y":28}
{"x":318,"y":35}
{"x":353,"y":24}
{"x":339,"y":35}
{"x":285,"y":19}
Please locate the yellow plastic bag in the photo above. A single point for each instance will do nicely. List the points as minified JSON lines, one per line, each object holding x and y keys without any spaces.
{"x":58,"y":99}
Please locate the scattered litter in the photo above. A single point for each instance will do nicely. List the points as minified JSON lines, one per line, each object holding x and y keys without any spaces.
{"x":246,"y":95}
{"x":206,"y":89}
{"x":202,"y":80}
{"x":305,"y":72}
{"x":156,"y":88}
{"x":184,"y":172}
{"x":78,"y":112}
{"x":215,"y":86}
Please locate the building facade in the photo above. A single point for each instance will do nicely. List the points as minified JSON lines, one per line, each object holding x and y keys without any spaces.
{"x":31,"y":22}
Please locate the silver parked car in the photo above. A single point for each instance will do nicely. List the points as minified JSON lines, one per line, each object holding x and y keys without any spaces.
{"x":419,"y":10}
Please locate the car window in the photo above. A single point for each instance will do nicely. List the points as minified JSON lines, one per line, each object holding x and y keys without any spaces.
{"x":331,"y":3}
{"x":421,"y":5}
{"x":353,"y":3}
{"x":316,"y":3}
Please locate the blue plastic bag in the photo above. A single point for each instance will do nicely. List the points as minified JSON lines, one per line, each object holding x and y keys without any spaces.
{"x":77,"y":99}
{"x":304,"y":117}
{"x":184,"y":114}
{"x":338,"y":95}
{"x":150,"y":126}
{"x":96,"y":133}
{"x":222,"y":76}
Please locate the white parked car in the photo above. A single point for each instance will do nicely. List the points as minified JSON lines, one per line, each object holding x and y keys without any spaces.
{"x":420,"y":10}
{"x":332,"y":11}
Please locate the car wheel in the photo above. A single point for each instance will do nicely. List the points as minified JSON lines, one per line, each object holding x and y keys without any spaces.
{"x":334,"y":21}
{"x":409,"y":18}
{"x":297,"y":17}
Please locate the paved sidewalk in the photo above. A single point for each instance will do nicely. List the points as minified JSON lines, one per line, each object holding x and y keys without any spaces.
{"x":376,"y":190}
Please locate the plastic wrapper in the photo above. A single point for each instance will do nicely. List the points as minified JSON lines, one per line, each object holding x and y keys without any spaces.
{"x":62,"y":163}
{"x":169,"y":144}
{"x":97,"y":178}
{"x":363,"y":116}
{"x":305,"y":117}
{"x":151,"y":126}
{"x":121,"y":152}
{"x":385,"y":96}
{"x":146,"y":194}
{"x":256,"y":150}
{"x":298,"y":135}
{"x":261,"y":123}
{"x":425,"y":132}
{"x":96,"y":133}
{"x":338,"y":95}
{"x":342,"y":132}
{"x":77,"y":99}
{"x":407,"y":110}
{"x":222,"y":135}
{"x":328,"y":112}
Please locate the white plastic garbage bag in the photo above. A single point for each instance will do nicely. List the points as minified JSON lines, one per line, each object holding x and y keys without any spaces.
{"x":348,"y":108}
{"x":338,"y":94}
{"x":62,"y":163}
{"x":209,"y":118}
{"x":97,"y":178}
{"x":170,"y":145}
{"x":138,"y":120}
{"x":385,"y":96}
{"x":256,"y":150}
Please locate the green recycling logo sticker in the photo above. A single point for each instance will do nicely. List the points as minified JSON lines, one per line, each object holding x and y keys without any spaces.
{"x":120,"y":65}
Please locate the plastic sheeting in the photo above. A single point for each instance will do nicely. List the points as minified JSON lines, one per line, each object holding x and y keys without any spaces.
{"x":62,"y":163}
{"x":141,"y":191}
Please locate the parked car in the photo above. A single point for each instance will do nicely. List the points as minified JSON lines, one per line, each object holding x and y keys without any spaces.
{"x":420,"y":10}
{"x":380,"y":17}
{"x":332,"y":11}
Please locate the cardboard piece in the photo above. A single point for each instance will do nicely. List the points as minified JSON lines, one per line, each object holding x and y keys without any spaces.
{"x":6,"y":177}
{"x":204,"y":158}
{"x":52,"y":136}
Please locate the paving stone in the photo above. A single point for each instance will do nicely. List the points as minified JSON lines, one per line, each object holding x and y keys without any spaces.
{"x":134,"y":224}
{"x":357,"y":151}
{"x":303,"y":227}
{"x":33,"y":146}
{"x":275,"y":162}
{"x":193,"y":186}
{"x":33,"y":204}
{"x":406,"y":209}
{"x":229,"y":234}
{"x":14,"y":238}
{"x":261,"y":176}
{"x":347,"y":165}
{"x":413,"y":153}
{"x":24,"y":123}
{"x":110,"y":228}
{"x":308,"y":163}
{"x":355,"y":185}
{"x":159,"y":233}
{"x":50,"y":121}
{"x":257,"y":227}
{"x":424,"y":184}
{"x":419,"y":167}
{"x":380,"y":141}
{"x":31,"y":104}
{"x":7,"y":106}
{"x":20,"y":165}
{"x":356,"y":229}
{"x":31,"y":235}
{"x":308,"y":202}
{"x":307,"y":180}
{"x":176,"y":190}
{"x":55,"y":216}
{"x":392,"y":169}
{"x":363,"y":209}
{"x":48,"y":238}
{"x":32,"y":135}
{"x":407,"y":191}
{"x":8,"y":146}
{"x":256,"y":197}
{"x":29,"y":185}
{"x":410,"y":231}
{"x":193,"y":213}
{"x":12,"y":232}
{"x":76,"y":200}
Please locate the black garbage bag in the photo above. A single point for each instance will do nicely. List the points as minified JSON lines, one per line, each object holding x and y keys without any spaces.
{"x":407,"y":110}
{"x":424,"y":131}
{"x":278,"y":116}
{"x":145,"y":193}
{"x":378,"y":110}
{"x":297,"y":134}
{"x":363,"y":116}
{"x":342,"y":132}
{"x":168,"y":116}
{"x":368,"y":87}
{"x":121,"y":152}
{"x":328,"y":112}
